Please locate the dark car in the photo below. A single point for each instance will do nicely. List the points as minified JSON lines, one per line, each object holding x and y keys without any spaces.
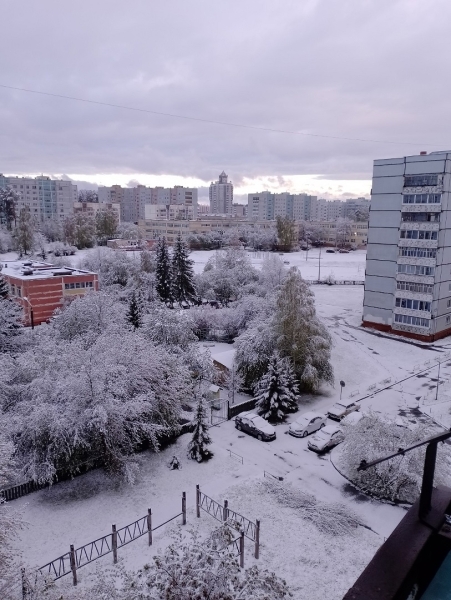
{"x":254,"y":425}
{"x":330,"y":251}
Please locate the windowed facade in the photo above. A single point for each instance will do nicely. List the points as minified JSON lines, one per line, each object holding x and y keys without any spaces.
{"x":420,"y":180}
{"x":418,"y":234}
{"x":418,"y":252}
{"x":416,"y":270}
{"x":411,"y":286}
{"x":421,"y":198}
{"x":413,"y":304}
{"x":419,"y":217}
{"x":409,"y":320}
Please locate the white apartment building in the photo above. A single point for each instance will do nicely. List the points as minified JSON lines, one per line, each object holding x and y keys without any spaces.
{"x":133,"y":201}
{"x":408,"y":267}
{"x":92,"y":208}
{"x":221,"y":196}
{"x":45,"y":198}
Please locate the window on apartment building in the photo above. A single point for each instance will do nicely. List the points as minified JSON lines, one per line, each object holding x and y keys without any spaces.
{"x":420,"y":217}
{"x":420,"y":180}
{"x":89,"y":284}
{"x":418,"y":252}
{"x":411,"y":286}
{"x":416,"y":270}
{"x":410,"y":320}
{"x":417,"y":234}
{"x":412,"y":304}
{"x":422,"y":199}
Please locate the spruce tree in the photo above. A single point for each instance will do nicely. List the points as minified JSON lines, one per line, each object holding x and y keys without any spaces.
{"x":292,"y":386}
{"x":274,"y":398}
{"x":197,"y":448}
{"x":182,"y":273}
{"x":4,"y":289}
{"x":134,"y":314}
{"x":163,"y":272}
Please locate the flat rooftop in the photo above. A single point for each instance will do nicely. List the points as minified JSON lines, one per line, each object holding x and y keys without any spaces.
{"x":28,"y":269}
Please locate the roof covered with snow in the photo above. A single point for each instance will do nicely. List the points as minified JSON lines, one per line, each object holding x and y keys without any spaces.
{"x":28,"y":269}
{"x":226,"y":358}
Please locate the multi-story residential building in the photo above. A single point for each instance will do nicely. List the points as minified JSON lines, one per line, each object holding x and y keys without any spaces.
{"x":239,"y":210}
{"x":351,"y":206}
{"x":158,"y":228}
{"x":203,"y":209}
{"x":133,"y":201}
{"x":91,"y":208}
{"x":168,"y":212}
{"x":40,"y":288}
{"x":45,"y":198}
{"x":408,"y":267}
{"x":221,"y":196}
{"x":335,"y":234}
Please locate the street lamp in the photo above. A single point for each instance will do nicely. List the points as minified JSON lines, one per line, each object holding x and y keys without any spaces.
{"x":31,"y":311}
{"x":319,"y":264}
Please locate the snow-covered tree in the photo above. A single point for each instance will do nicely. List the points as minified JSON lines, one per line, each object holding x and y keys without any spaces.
{"x":343,"y":232}
{"x":88,"y":196}
{"x":106,"y":223}
{"x":148,"y":264}
{"x":134,"y":314}
{"x":114,"y":268}
{"x":197,"y":448}
{"x":285,"y":233}
{"x":53,"y":230}
{"x":84,"y":230}
{"x":182,"y":275}
{"x":6,"y":239}
{"x":93,"y":404}
{"x":4,"y":288}
{"x":169,"y":328}
{"x":163,"y":272}
{"x":300,"y":334}
{"x":24,"y":233}
{"x":11,"y":521}
{"x":398,"y":479}
{"x":10,"y":326}
{"x":8,"y":203}
{"x":274,"y":394}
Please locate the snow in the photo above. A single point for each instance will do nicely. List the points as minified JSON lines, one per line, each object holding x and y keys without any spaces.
{"x":315,"y":564}
{"x":225,"y":358}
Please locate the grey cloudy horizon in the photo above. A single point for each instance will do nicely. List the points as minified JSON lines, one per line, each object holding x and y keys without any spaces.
{"x":371,"y":69}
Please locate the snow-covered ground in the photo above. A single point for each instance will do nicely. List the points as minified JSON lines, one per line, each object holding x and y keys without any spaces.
{"x":316,"y":565}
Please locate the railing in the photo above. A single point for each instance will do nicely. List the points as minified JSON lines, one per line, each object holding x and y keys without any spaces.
{"x":79,"y":557}
{"x":22,"y":489}
{"x":225,"y":514}
{"x":235,"y":456}
{"x":271,"y":476}
{"x":236,"y":409}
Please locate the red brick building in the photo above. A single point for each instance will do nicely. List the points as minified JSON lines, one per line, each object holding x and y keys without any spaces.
{"x":41,"y":288}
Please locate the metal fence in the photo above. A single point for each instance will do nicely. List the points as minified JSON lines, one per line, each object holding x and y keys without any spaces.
{"x":224,"y":514}
{"x":21,"y":489}
{"x":110,"y":543}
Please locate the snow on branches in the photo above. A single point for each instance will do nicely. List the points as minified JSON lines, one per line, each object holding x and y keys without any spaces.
{"x":276,"y":391}
{"x":197,"y":448}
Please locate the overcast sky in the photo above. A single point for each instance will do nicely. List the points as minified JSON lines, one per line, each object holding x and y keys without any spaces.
{"x":368,"y":69}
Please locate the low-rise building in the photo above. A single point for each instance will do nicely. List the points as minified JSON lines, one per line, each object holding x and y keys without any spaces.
{"x":40,"y":288}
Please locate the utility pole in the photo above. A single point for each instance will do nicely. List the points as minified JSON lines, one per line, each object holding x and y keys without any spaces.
{"x":319,"y":265}
{"x":438,"y":383}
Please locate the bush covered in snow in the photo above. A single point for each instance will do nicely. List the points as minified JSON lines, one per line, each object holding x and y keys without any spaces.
{"x":398,"y":479}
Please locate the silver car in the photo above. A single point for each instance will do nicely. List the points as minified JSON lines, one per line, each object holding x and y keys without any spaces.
{"x":326,"y":439}
{"x":306,"y":424}
{"x":341,"y":409}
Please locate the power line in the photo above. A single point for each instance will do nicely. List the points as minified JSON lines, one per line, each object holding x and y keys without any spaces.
{"x":213,"y":122}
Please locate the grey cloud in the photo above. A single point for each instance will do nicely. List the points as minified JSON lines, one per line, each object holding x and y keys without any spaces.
{"x":373,"y":70}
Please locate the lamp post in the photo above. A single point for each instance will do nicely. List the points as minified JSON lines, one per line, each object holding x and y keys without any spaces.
{"x":31,"y":311}
{"x":319,"y":265}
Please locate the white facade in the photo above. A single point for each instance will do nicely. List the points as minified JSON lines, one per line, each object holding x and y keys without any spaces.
{"x":408,"y":268}
{"x":45,"y":198}
{"x":221,"y":196}
{"x":135,"y":200}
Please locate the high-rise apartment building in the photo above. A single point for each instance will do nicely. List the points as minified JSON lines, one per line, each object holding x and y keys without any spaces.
{"x":221,"y":196}
{"x":133,"y":201}
{"x":408,"y":267}
{"x":45,"y":198}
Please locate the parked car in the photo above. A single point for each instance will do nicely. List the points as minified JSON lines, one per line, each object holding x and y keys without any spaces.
{"x":254,"y":425}
{"x":326,"y":439}
{"x":343,"y":251}
{"x":341,"y":409}
{"x":306,"y":424}
{"x":330,"y":251}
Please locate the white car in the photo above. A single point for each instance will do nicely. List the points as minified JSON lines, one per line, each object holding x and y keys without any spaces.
{"x":326,"y":439}
{"x":306,"y":424}
{"x":341,"y":409}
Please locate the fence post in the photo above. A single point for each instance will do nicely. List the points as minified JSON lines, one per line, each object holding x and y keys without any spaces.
{"x":257,"y":538}
{"x":242,"y":550}
{"x":184,"y":508}
{"x":225,"y":511}
{"x":149,"y":525}
{"x":198,"y":501}
{"x":114,"y":543}
{"x":73,"y":564}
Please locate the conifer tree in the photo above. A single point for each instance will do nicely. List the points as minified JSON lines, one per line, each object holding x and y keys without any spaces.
{"x":182,"y":273}
{"x":134,"y":314}
{"x":292,"y":386}
{"x":163,"y":272}
{"x":197,"y":448}
{"x":273,"y":394}
{"x":4,"y":289}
